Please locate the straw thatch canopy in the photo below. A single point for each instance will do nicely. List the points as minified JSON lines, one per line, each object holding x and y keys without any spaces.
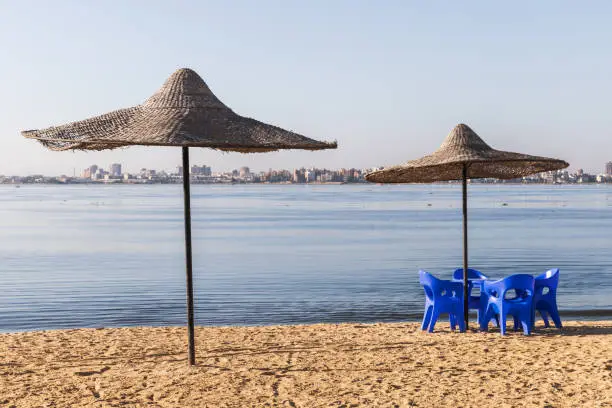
{"x":463,"y":147}
{"x":183,"y":112}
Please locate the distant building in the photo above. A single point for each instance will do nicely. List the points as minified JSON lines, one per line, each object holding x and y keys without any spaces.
{"x":90,"y":172}
{"x":201,"y":170}
{"x":115,"y":170}
{"x":608,"y":168}
{"x":349,"y":175}
{"x":99,"y":174}
{"x":548,"y":177}
{"x":298,"y":176}
{"x":326,"y":177}
{"x":244,"y":172}
{"x":310,"y":176}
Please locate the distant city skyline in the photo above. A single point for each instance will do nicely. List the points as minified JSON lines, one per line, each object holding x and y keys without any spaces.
{"x":387,"y":80}
{"x":202,"y":174}
{"x":120,"y":168}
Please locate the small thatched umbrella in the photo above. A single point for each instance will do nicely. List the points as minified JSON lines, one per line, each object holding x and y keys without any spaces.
{"x":183,"y":112}
{"x":464,"y":155}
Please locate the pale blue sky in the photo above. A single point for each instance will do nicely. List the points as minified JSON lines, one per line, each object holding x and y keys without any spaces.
{"x":387,"y":79}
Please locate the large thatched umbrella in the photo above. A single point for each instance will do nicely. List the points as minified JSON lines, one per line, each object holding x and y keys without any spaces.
{"x":183,"y":112}
{"x":464,"y":155}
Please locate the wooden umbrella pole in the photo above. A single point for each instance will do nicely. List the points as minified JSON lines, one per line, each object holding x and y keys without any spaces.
{"x":188,"y":263}
{"x":465,"y":248}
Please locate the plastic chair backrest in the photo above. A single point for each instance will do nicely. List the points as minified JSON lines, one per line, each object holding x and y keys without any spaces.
{"x":427,"y":280}
{"x":472,"y":274}
{"x":522,"y":284}
{"x":435,"y":287}
{"x":547,"y":282}
{"x":549,"y":279}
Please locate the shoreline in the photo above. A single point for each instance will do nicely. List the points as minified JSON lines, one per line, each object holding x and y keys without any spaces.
{"x":378,"y":364}
{"x":582,"y":316}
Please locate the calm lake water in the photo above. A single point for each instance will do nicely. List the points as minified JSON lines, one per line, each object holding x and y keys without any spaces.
{"x":100,"y":256}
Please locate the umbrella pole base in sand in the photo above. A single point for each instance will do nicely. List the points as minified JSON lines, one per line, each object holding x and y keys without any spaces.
{"x":188,"y":263}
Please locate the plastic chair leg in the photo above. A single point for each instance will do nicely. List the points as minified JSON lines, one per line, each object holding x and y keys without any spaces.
{"x":483,"y":320}
{"x":544,"y":315}
{"x":491,"y":319}
{"x":434,"y":319}
{"x":517,"y":323}
{"x":461,"y":324}
{"x":453,"y":321}
{"x":526,"y":327}
{"x":426,"y":317}
{"x":502,"y":323}
{"x":554,"y":315}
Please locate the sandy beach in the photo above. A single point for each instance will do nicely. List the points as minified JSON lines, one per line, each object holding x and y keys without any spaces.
{"x":345,"y":365}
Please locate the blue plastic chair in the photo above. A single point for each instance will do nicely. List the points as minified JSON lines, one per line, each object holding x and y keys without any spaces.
{"x":441,"y":296}
{"x":497,"y":302}
{"x":546,"y":303}
{"x":473,"y":301}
